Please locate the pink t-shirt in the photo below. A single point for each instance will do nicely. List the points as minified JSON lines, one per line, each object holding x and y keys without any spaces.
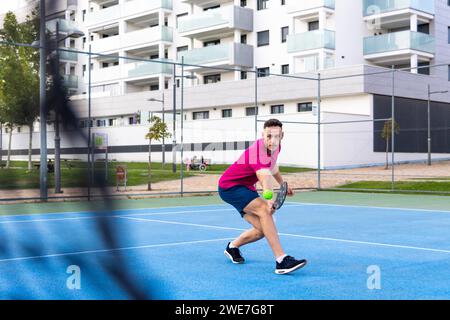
{"x":243,"y":171}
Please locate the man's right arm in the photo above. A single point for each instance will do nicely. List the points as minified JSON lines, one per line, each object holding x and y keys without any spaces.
{"x":265,"y":178}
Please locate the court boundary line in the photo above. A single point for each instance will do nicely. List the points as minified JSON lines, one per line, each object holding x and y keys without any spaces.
{"x":297,"y":235}
{"x":115,"y":210}
{"x":369,"y":207}
{"x":97,"y":216}
{"x":111,"y":250}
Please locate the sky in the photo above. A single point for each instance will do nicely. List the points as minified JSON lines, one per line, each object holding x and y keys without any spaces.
{"x":10,"y":5}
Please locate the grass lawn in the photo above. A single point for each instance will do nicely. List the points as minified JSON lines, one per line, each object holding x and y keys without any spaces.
{"x":75,"y":174}
{"x":434,"y":186}
{"x":18,"y":177}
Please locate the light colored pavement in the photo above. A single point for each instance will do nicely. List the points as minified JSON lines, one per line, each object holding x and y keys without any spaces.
{"x":208,"y":182}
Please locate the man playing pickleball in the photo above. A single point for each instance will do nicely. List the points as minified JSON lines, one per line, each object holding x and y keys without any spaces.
{"x":237,"y":187}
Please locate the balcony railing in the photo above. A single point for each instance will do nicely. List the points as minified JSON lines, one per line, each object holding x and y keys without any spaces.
{"x":70,"y":81}
{"x":317,"y":39}
{"x":371,"y":7}
{"x":231,"y":16}
{"x":68,"y":56}
{"x":140,"y":69}
{"x":403,"y":40}
{"x":229,"y":53}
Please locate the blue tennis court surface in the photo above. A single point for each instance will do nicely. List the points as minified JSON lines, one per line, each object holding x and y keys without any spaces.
{"x":177,"y":253}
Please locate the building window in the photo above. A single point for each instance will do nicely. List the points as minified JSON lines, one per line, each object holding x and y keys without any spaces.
{"x":424,"y":28}
{"x":211,"y":43}
{"x":244,"y":39}
{"x":200,"y":115}
{"x":285,"y":69}
{"x":227,"y":113}
{"x":84,"y":15}
{"x":283,"y":2}
{"x":313,"y":25}
{"x":304,"y":107}
{"x":111,"y":122}
{"x":243,"y":75}
{"x":212,"y":78}
{"x":262,"y":4}
{"x":181,"y":15}
{"x":101,"y":123}
{"x":183,"y":48}
{"x":277,"y":109}
{"x":449,"y":73}
{"x":263,"y":72}
{"x":422,"y":70}
{"x":251,"y":111}
{"x":449,"y":34}
{"x":212,"y":8}
{"x":154,"y":87}
{"x":243,"y":3}
{"x":263,"y":38}
{"x":284,"y":34}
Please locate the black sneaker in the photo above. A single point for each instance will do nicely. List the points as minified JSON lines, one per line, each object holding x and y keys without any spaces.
{"x":234,"y":254}
{"x":288,"y":265}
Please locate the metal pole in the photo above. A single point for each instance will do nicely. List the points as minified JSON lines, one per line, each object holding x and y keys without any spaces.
{"x":429,"y":126}
{"x":163,"y":139}
{"x":174,"y":140}
{"x":256,"y":103}
{"x":57,"y":136}
{"x":393,"y":128}
{"x":318,"y":132}
{"x":181,"y":124}
{"x":89,"y":124}
{"x":43,"y":106}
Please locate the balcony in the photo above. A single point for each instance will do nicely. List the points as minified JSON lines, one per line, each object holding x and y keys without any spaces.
{"x":311,"y":40}
{"x":105,"y":74}
{"x":127,"y":9}
{"x":68,"y":56}
{"x":70,"y":81}
{"x":371,"y":7}
{"x":144,"y":69}
{"x":397,"y":41}
{"x":310,"y":8}
{"x":205,"y":3}
{"x":390,"y":14}
{"x":229,"y":54}
{"x":130,"y":70}
{"x":138,"y":38}
{"x":146,"y":36}
{"x":221,"y":21}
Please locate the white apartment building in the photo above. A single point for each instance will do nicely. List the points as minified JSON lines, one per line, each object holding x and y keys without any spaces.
{"x":273,"y":37}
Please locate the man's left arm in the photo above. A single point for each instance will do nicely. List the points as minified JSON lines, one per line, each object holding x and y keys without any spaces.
{"x":277,"y":175}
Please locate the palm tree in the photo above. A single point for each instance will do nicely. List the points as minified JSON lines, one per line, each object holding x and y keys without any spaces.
{"x":387,"y":134}
{"x":157,"y":131}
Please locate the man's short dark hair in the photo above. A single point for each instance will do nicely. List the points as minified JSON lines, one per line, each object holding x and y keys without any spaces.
{"x":273,"y":123}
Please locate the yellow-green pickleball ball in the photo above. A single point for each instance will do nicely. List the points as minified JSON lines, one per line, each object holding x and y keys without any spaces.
{"x":268,"y":194}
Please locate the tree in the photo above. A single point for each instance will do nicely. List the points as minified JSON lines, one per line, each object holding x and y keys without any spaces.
{"x":157,"y":131}
{"x":387,"y":134}
{"x":19,"y":79}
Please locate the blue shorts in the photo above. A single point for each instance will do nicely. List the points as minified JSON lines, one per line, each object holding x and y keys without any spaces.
{"x":238,"y":196}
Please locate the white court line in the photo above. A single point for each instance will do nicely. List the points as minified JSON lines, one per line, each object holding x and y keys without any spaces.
{"x":99,"y":216}
{"x":295,"y":235}
{"x":369,"y":207}
{"x":111,"y":216}
{"x":111,"y":250}
{"x":115,"y":210}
